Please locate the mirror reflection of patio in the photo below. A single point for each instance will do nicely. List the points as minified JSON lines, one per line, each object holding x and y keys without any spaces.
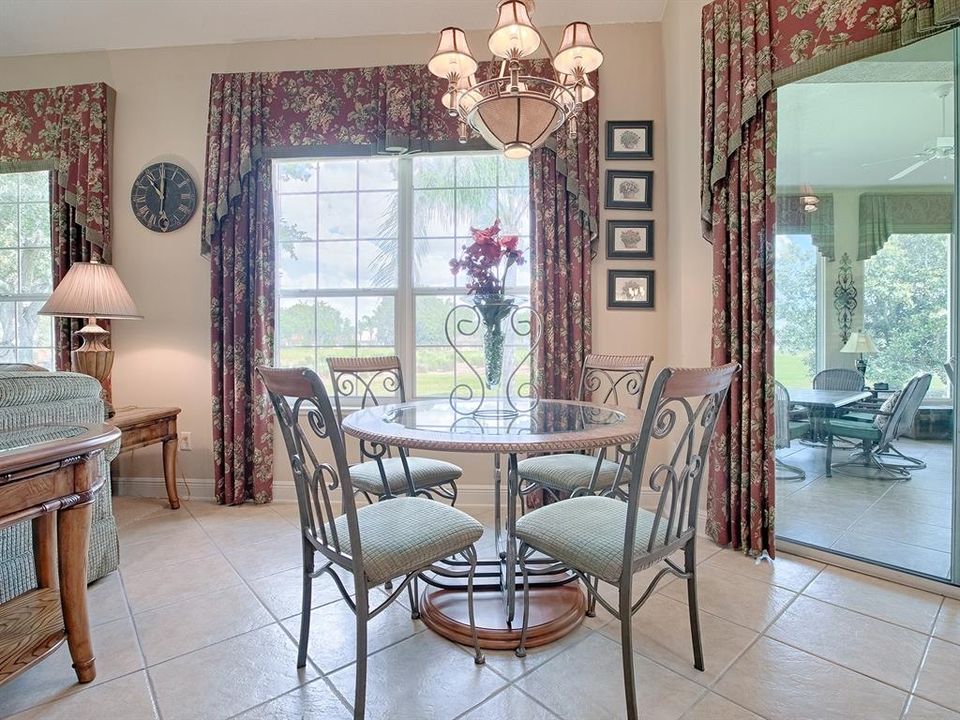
{"x":903,"y":523}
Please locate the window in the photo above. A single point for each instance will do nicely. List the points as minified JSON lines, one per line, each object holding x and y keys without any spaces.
{"x":905,"y":299}
{"x":795,"y":321}
{"x":26,"y":268}
{"x":363,"y":253}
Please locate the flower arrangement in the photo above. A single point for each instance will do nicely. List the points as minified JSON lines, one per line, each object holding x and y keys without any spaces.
{"x":482,"y":259}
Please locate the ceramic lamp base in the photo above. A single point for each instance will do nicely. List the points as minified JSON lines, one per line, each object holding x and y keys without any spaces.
{"x":95,"y":358}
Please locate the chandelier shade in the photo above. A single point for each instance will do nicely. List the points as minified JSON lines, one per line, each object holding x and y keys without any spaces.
{"x":514,"y":36}
{"x":516,"y":112}
{"x":578,"y":53}
{"x":452,"y":58}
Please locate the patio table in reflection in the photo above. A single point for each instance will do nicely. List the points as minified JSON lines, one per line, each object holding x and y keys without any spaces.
{"x":546,"y":426}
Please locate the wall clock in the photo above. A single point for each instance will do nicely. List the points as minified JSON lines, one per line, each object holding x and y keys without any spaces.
{"x":164,"y":197}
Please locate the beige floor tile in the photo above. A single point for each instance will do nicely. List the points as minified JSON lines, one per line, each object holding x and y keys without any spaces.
{"x":127,"y":510}
{"x":881,"y":599}
{"x":333,"y":633}
{"x":115,"y":649}
{"x":787,"y":571}
{"x":196,"y":622}
{"x":714,"y":707}
{"x":879,"y":649}
{"x":903,"y":530}
{"x":909,"y":557}
{"x":172,"y":583}
{"x":511,"y":704}
{"x":661,"y":632}
{"x":446,"y":682}
{"x":227,"y":678}
{"x":920,"y":709}
{"x":281,"y":593}
{"x":777,"y":681}
{"x":939,"y":678}
{"x":176,"y":547}
{"x":267,"y":557}
{"x":160,"y":527}
{"x":586,"y":683}
{"x":511,"y":667}
{"x":904,"y":506}
{"x":948,"y":621}
{"x":314,"y":700}
{"x":233,"y":527}
{"x":125,"y":697}
{"x":750,"y":603}
{"x":106,"y":601}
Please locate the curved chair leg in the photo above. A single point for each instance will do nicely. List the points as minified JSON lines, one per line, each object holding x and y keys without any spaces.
{"x":414,"y":595}
{"x":471,"y":553}
{"x":592,"y":598}
{"x":690,"y":562}
{"x":792,"y":472}
{"x":360,"y":685}
{"x":521,"y":650}
{"x":626,"y":646}
{"x":306,"y":603}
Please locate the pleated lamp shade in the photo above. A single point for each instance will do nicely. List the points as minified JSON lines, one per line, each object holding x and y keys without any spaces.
{"x":91,"y":290}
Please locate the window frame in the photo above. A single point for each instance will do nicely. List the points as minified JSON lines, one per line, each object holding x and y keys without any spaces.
{"x":406,"y":293}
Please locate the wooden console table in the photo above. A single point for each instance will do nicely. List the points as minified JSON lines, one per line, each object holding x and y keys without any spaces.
{"x":146,"y":426}
{"x":50,"y":475}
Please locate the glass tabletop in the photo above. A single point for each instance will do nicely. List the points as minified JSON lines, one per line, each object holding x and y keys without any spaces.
{"x":442,"y":424}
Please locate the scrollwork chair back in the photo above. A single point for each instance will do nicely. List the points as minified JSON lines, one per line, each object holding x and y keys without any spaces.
{"x":614,"y":379}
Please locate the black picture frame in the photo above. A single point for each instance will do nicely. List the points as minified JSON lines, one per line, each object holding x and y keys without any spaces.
{"x":645,"y":128}
{"x":644,"y":275}
{"x":613,"y":253}
{"x":645,"y":202}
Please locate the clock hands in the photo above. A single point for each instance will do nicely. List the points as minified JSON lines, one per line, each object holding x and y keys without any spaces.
{"x":163,"y":221}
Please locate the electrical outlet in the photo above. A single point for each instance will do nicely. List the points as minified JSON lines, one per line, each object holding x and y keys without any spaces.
{"x":185,"y":440}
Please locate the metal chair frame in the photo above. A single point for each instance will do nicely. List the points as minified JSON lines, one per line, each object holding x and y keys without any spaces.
{"x":876,"y":456}
{"x":369,"y":375}
{"x":686,"y":402}
{"x":608,"y":380}
{"x":783,"y":433}
{"x":315,"y":481}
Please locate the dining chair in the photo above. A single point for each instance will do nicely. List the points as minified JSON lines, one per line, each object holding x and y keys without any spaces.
{"x":788,"y":429}
{"x":600,"y":537}
{"x":401,"y":538}
{"x":886,"y":424}
{"x":369,"y":380}
{"x":604,"y":379}
{"x":838,"y":379}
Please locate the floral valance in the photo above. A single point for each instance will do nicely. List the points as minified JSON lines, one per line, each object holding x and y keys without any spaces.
{"x":66,"y":129}
{"x":883,"y":215}
{"x":391,"y":109}
{"x":751,"y":47}
{"x":793,"y":219}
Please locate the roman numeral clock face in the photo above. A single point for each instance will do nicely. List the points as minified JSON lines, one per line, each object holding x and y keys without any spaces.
{"x":164,"y":197}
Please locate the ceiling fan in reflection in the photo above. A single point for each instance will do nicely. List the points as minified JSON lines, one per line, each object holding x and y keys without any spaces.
{"x":941,"y":149}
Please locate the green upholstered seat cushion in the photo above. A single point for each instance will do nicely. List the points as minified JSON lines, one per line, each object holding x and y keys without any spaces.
{"x":426,"y":472}
{"x":798,"y":429}
{"x":587,"y":533}
{"x":404,"y":534}
{"x":568,"y":471}
{"x":854,"y":429}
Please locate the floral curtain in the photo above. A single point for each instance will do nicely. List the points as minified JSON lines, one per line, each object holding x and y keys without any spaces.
{"x":66,"y":130}
{"x":257,"y":116}
{"x":884,"y":215}
{"x":750,"y":47}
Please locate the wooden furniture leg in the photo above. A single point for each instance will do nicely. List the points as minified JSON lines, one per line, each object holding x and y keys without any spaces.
{"x":73,"y":533}
{"x":170,"y":471}
{"x":45,"y":549}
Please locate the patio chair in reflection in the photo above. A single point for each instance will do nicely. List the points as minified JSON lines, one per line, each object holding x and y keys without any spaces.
{"x":789,"y":427}
{"x":890,"y":421}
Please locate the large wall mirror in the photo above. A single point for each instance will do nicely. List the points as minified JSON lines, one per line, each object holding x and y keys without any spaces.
{"x":866,"y":310}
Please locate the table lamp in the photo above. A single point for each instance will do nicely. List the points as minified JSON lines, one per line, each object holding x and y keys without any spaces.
{"x":92,"y":290}
{"x":861,"y":343}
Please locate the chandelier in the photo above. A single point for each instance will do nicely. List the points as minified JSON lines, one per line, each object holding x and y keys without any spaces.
{"x":514,"y":112}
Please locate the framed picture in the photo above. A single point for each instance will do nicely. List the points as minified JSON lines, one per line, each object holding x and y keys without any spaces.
{"x":630,"y":140}
{"x":629,"y":190}
{"x":630,"y":239}
{"x":630,"y":289}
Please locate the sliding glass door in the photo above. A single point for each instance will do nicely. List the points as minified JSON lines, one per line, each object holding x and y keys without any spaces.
{"x":866,"y":310}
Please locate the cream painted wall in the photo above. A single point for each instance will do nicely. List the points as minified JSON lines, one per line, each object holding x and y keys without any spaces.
{"x":162,"y":100}
{"x":690,"y":273}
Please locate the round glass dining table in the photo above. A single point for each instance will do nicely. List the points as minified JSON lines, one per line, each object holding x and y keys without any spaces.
{"x":457,"y":426}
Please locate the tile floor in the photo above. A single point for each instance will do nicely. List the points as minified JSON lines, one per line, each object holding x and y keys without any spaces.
{"x":192,"y":627}
{"x":905,"y":523}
